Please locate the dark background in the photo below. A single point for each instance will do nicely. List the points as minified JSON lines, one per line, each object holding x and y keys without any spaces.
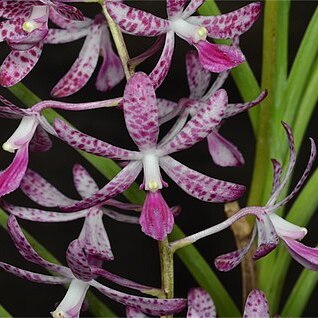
{"x":136,"y":255}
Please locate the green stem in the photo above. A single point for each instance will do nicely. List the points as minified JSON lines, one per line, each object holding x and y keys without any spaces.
{"x":243,"y":75}
{"x":97,"y":308}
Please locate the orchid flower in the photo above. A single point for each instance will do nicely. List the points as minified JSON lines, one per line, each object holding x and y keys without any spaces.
{"x":272,"y":227}
{"x":222,"y":151}
{"x":97,"y":43}
{"x":193,"y":29}
{"x":25,"y":30}
{"x":81,"y":275}
{"x":32,"y":132}
{"x":141,"y":116}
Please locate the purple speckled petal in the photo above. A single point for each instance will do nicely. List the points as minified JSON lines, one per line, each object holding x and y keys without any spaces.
{"x":42,"y":192}
{"x":175,"y":8}
{"x":11,"y":28}
{"x":123,"y":205}
{"x":77,"y":139}
{"x":111,"y":71}
{"x":133,"y":62}
{"x":303,"y":178}
{"x":27,"y":251}
{"x":96,"y":241}
{"x":201,"y":124}
{"x":121,"y":217}
{"x":10,"y":110}
{"x":256,"y":305}
{"x":141,"y":111}
{"x":137,"y":22}
{"x":116,"y":186}
{"x":121,"y":280}
{"x":191,"y":8}
{"x":218,"y":58}
{"x":267,"y":236}
{"x":161,"y":69}
{"x":224,"y":153}
{"x":151,"y":306}
{"x":198,"y":77}
{"x":305,"y":255}
{"x":9,"y":8}
{"x":277,"y":171}
{"x":41,"y":141}
{"x":68,"y":12}
{"x":83,"y":67}
{"x":292,"y":161}
{"x":200,"y":304}
{"x":78,"y":262}
{"x":156,"y":217}
{"x":199,"y":185}
{"x":134,"y":313}
{"x":167,"y":110}
{"x":11,"y":177}
{"x":34,"y":277}
{"x":228,"y":261}
{"x":231,"y":24}
{"x":18,"y":64}
{"x":84,"y":183}
{"x":234,"y":109}
{"x":37,"y":215}
{"x":58,"y":36}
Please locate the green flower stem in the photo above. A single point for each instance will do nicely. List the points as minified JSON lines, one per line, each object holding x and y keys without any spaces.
{"x":300,"y":213}
{"x":96,"y":307}
{"x":119,"y":41}
{"x":4,"y":313}
{"x":303,"y":289}
{"x":190,"y":256}
{"x":205,"y":277}
{"x":243,"y":75}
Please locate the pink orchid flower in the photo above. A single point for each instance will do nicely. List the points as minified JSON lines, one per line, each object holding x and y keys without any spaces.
{"x":142,"y":121}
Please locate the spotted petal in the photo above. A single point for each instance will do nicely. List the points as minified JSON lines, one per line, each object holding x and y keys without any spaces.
{"x":267,"y":236}
{"x":167,"y":110}
{"x":161,"y":69}
{"x":151,"y":306}
{"x":18,"y":64}
{"x":11,"y":177}
{"x":42,"y":192}
{"x":37,"y":215}
{"x":256,"y":305}
{"x":224,"y":153}
{"x":175,"y":8}
{"x":9,"y":8}
{"x":199,"y":185}
{"x":198,"y":77}
{"x":229,"y":25}
{"x":84,"y":142}
{"x":95,"y":240}
{"x":58,"y":36}
{"x":234,"y":109}
{"x":134,"y":313}
{"x":34,"y":277}
{"x":228,"y":261}
{"x":41,"y":141}
{"x":191,"y":8}
{"x":141,"y":111}
{"x":111,"y":71}
{"x":200,"y":125}
{"x":121,"y":217}
{"x":200,"y":304}
{"x":27,"y":251}
{"x":84,"y":66}
{"x":77,"y":261}
{"x":116,"y":186}
{"x":137,"y":22}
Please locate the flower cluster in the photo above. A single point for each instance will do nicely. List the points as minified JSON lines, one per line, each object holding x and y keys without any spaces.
{"x":26,"y":28}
